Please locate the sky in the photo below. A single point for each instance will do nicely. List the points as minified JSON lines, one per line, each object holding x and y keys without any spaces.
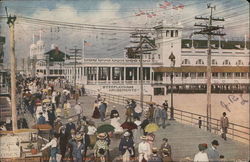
{"x":115,"y":14}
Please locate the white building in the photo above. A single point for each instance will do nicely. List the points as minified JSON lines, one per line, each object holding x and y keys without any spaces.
{"x":230,"y":66}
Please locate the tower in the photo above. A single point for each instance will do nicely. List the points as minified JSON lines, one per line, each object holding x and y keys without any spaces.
{"x":33,"y":48}
{"x":40,"y":47}
{"x":168,"y":41}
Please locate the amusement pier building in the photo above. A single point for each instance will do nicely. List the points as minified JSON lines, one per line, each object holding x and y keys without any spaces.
{"x":230,"y":65}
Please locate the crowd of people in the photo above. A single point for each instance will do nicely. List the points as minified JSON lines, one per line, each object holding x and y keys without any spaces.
{"x":50,"y":103}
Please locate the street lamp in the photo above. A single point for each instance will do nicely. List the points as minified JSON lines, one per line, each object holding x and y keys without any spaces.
{"x":172,"y":59}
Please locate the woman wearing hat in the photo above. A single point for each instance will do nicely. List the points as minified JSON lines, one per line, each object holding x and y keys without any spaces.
{"x":101,"y":147}
{"x":96,"y":113}
{"x":77,"y":148}
{"x":201,"y":156}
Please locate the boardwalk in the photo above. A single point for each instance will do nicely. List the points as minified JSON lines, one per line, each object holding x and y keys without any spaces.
{"x":184,"y":139}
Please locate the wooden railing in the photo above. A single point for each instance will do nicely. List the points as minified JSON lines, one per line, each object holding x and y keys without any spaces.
{"x":235,"y":131}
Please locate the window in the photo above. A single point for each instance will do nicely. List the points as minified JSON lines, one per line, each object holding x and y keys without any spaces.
{"x":215,"y":75}
{"x":237,"y":74}
{"x":176,"y":33}
{"x":214,"y":62}
{"x":186,"y":62}
{"x":200,"y":74}
{"x":172,"y":33}
{"x":239,"y":62}
{"x":167,"y":33}
{"x":226,"y":62}
{"x":158,"y":91}
{"x":229,"y":75}
{"x":200,"y":62}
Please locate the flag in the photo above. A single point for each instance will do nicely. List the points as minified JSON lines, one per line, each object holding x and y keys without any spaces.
{"x":87,"y":43}
{"x":149,"y":15}
{"x":153,"y":14}
{"x":137,"y":14}
{"x":142,"y":12}
{"x":166,"y":3}
{"x":162,"y":6}
{"x":181,"y":6}
{"x":175,"y":7}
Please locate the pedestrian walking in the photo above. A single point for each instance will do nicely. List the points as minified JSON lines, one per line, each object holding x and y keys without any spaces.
{"x":201,"y":156}
{"x":77,"y":148}
{"x":53,"y":145}
{"x":96,"y":113}
{"x":144,"y":149}
{"x":224,"y":123}
{"x":78,"y":110}
{"x":126,"y":147}
{"x":212,"y":152}
{"x":155,"y":157}
{"x":101,"y":147}
{"x":165,"y":149}
{"x":102,"y":110}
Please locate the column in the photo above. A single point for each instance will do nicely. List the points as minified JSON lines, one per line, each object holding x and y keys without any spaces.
{"x":97,"y":75}
{"x":138,"y":69}
{"x":150,"y":73}
{"x":133,"y":76}
{"x":111,"y":74}
{"x":124,"y":74}
{"x":153,"y":77}
{"x":120,"y":75}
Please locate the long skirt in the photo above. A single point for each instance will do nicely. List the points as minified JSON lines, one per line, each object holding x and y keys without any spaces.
{"x":96,"y":113}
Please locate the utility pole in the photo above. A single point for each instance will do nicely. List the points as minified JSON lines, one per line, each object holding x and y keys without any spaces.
{"x":75,"y":51}
{"x":210,"y":31}
{"x":141,"y":73}
{"x":11,"y":22}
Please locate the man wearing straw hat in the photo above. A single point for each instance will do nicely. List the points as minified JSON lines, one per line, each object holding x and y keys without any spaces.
{"x":144,"y":149}
{"x":77,"y":147}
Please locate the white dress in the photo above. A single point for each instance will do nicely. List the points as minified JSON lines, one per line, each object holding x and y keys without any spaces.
{"x":201,"y":157}
{"x":144,"y":150}
{"x":115,"y":123}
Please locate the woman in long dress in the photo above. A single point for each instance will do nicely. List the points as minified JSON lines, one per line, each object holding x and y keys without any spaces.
{"x":96,"y":113}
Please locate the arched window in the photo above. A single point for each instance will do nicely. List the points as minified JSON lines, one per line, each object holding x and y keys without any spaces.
{"x":200,"y":62}
{"x":239,"y":62}
{"x":214,"y":62}
{"x":186,"y":62}
{"x":226,"y":62}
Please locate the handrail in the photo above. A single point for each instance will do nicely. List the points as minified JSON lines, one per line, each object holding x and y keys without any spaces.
{"x":235,"y":129}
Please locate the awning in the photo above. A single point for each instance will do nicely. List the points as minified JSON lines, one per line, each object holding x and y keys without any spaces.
{"x":186,"y":69}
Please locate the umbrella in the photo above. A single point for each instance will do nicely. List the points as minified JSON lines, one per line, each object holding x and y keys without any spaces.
{"x":45,"y":90}
{"x":105,"y":128}
{"x":42,"y":126}
{"x":129,"y":125}
{"x":46,"y":100}
{"x":152,"y":127}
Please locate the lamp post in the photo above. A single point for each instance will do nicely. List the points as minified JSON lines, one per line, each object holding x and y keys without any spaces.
{"x":172,"y":59}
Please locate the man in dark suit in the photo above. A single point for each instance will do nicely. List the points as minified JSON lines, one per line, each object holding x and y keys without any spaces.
{"x":224,"y":123}
{"x":126,"y":147}
{"x":41,"y":119}
{"x":212,"y":152}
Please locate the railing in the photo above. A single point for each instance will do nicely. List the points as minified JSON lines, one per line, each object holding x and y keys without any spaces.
{"x":235,"y":131}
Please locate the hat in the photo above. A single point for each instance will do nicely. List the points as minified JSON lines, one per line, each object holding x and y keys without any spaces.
{"x":126,"y":134}
{"x":79,"y":103}
{"x":72,"y":131}
{"x":102,"y":135}
{"x":40,"y":113}
{"x":202,"y":146}
{"x":143,"y":137}
{"x":38,"y":103}
{"x":154,"y":149}
{"x":165,"y":139}
{"x":114,"y":106}
{"x":215,"y":142}
{"x":70,"y":120}
{"x":78,"y":137}
{"x":58,"y":119}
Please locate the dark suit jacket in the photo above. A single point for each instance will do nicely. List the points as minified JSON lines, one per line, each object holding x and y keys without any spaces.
{"x":129,"y":143}
{"x":41,"y":120}
{"x":77,"y":150}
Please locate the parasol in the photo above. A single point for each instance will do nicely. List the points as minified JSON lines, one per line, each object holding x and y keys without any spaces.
{"x":152,"y":127}
{"x":105,"y":128}
{"x":42,"y":126}
{"x":45,"y":90}
{"x":46,"y":100}
{"x":129,"y":125}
